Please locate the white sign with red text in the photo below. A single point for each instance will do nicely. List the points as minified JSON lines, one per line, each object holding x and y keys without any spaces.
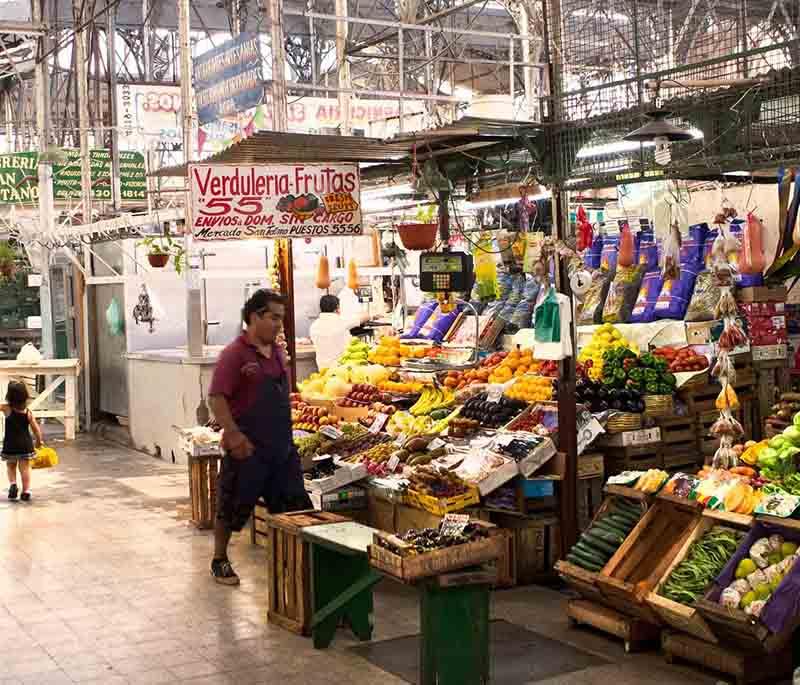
{"x":252,"y":202}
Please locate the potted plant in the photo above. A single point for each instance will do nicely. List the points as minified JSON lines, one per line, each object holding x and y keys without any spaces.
{"x":8,"y":261}
{"x":422,"y":234}
{"x":160,"y":248}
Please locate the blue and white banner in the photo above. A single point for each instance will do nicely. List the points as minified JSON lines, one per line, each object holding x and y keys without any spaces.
{"x":229,"y":78}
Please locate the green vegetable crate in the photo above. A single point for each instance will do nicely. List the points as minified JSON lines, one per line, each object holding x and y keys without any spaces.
{"x":582,"y":566}
{"x":685,"y":617}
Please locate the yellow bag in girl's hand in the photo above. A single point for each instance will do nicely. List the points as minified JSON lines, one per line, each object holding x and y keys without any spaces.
{"x":45,"y":458}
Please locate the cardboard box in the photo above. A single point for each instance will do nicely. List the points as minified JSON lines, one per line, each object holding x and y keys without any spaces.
{"x":349,"y":497}
{"x":644,"y":436}
{"x":761,"y":294}
{"x":344,"y":475}
{"x":763,"y":353}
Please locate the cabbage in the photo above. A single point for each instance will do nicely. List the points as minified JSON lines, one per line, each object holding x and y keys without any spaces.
{"x":777,"y":442}
{"x":768,"y":458}
{"x":796,"y":419}
{"x":792,"y":434}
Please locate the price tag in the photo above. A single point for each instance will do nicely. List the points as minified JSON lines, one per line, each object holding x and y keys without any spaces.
{"x":393,"y":462}
{"x":435,"y":444}
{"x":378,"y":423}
{"x":454,"y":524}
{"x":494,"y":393}
{"x":321,"y":457}
{"x":331,"y":432}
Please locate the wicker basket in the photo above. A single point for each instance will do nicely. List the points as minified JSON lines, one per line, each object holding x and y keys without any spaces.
{"x":418,"y":236}
{"x":658,"y":405}
{"x":622,"y":421}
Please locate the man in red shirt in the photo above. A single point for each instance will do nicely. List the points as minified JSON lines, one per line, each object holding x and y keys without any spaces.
{"x":249,"y":397}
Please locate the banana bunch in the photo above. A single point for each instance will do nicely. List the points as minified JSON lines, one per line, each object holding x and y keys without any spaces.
{"x":432,"y":398}
{"x":651,"y":481}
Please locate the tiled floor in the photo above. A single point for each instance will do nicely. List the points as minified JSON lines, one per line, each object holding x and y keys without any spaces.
{"x":103,"y":581}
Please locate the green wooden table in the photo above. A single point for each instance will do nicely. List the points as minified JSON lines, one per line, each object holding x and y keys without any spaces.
{"x":341,"y":579}
{"x":454,"y":616}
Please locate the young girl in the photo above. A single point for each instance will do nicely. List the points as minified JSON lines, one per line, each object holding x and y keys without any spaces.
{"x":17,"y":443}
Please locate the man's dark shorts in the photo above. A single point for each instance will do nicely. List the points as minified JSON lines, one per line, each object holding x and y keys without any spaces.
{"x":242,"y":483}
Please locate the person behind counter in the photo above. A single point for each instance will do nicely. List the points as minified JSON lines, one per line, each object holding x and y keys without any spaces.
{"x":249,"y":396}
{"x":330,"y":333}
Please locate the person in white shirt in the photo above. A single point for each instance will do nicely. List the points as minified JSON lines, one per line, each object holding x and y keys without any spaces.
{"x":330,"y":333}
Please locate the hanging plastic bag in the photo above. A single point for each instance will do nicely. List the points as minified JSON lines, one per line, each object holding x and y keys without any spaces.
{"x":547,"y":320}
{"x":29,"y":354}
{"x":114,"y":318}
{"x":46,"y":457}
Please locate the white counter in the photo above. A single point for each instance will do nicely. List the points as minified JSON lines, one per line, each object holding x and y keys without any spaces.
{"x":165,"y":389}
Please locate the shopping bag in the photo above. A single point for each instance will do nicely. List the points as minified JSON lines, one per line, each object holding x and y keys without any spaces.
{"x":547,"y":320}
{"x":46,"y":457}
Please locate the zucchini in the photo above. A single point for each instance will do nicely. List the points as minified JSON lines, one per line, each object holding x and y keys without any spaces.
{"x":611,"y":538}
{"x":594,"y":568}
{"x":589,"y":558}
{"x":621,"y":522}
{"x":599,"y":544}
{"x":627,"y":516}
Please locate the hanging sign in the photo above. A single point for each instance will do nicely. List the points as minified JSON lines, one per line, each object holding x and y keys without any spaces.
{"x":232,"y":202}
{"x":228,"y":78}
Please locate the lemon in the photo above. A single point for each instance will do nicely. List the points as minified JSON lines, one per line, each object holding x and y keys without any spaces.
{"x":745,"y":568}
{"x":748,"y":599}
{"x":763,"y":591}
{"x":788,"y":548}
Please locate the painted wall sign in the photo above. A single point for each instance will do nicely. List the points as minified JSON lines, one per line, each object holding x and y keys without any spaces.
{"x":228,"y":78}
{"x":19,"y":181}
{"x":231,"y":202}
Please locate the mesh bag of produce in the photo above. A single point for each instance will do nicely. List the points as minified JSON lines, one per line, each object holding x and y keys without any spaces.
{"x":622,"y":292}
{"x":704,"y":299}
{"x":591,"y":309}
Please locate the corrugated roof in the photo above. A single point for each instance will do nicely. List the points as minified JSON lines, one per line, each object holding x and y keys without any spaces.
{"x":266,"y":147}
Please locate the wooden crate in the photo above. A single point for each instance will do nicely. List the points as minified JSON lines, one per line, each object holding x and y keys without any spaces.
{"x":635,"y":632}
{"x":679,"y":443}
{"x":590,"y":498}
{"x":641,"y":560}
{"x":203,"y":474}
{"x":536,"y":545}
{"x":633,"y":458}
{"x":442,"y":506}
{"x":415,"y":566}
{"x":744,"y":667}
{"x":675,"y":614}
{"x":506,"y":565}
{"x":259,"y":530}
{"x":579,"y":579}
{"x":289,"y":568}
{"x":702,"y":399}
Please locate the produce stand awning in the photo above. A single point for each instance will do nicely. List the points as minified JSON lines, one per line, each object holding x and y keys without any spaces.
{"x":265,"y":147}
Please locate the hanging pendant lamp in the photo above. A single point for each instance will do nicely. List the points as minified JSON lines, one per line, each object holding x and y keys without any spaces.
{"x":659,"y":127}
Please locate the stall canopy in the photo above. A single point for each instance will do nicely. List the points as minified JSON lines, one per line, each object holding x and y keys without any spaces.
{"x":469,"y":138}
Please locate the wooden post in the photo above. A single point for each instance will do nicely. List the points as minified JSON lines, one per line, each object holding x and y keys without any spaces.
{"x":567,"y":410}
{"x":279,"y":103}
{"x":287,"y":283}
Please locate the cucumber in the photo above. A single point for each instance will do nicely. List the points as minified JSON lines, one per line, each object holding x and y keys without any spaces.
{"x":572,"y":559}
{"x":612,"y":528}
{"x":625,"y":516}
{"x":591,"y":552}
{"x":611,"y":538}
{"x":599,"y":544}
{"x":625,"y":505}
{"x":589,"y":558}
{"x":621,"y":522}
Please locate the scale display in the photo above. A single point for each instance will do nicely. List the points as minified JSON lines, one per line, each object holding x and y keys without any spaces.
{"x":445,"y":272}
